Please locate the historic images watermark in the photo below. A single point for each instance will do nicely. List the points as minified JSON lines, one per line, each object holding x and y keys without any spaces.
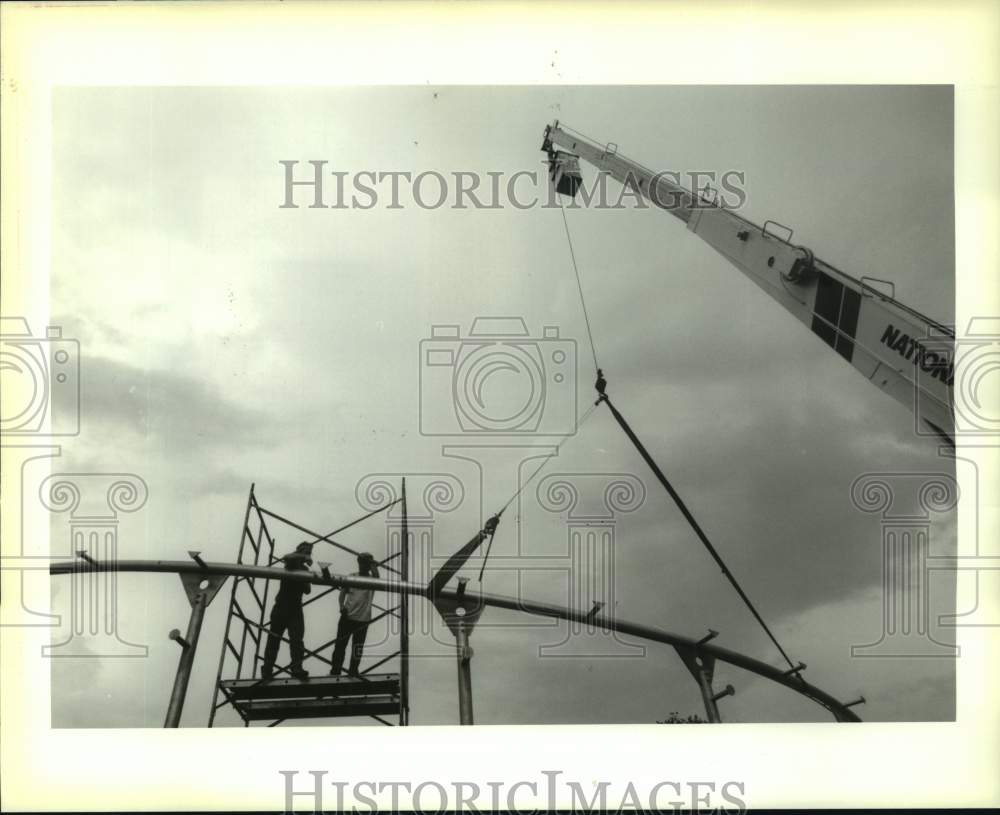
{"x":503,"y":400}
{"x":40,"y":378}
{"x":314,"y":184}
{"x":318,"y":793}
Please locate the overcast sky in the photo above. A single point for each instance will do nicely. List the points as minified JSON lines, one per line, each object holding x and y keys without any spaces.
{"x":226,"y":340}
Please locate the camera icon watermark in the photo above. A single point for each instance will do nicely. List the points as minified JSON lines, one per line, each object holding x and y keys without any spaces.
{"x":977,"y":389}
{"x":497,"y":380}
{"x":40,"y":380}
{"x":963,"y":370}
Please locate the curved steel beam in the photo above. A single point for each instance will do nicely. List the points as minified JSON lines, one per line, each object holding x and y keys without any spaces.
{"x":792,"y":681}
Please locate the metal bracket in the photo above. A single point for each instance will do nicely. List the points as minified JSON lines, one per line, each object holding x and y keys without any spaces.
{"x":458,"y":560}
{"x":803,"y":267}
{"x":461,"y":612}
{"x":698,"y":663}
{"x":84,"y":556}
{"x":175,"y":635}
{"x":729,"y":690}
{"x":598,"y":605}
{"x":702,"y":668}
{"x":795,"y":670}
{"x":196,"y":557}
{"x":866,"y":287}
{"x":711,"y":635}
{"x":195,"y":590}
{"x":786,"y":239}
{"x":709,"y":201}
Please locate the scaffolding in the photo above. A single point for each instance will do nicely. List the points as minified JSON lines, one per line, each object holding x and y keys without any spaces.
{"x":238,"y":681}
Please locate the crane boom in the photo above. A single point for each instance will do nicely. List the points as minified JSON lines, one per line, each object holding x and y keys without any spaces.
{"x":901,"y":351}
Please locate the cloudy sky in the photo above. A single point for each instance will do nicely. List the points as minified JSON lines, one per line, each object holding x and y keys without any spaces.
{"x":227,"y":340}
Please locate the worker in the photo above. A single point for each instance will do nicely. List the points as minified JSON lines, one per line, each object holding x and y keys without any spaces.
{"x":355,"y":615}
{"x":286,"y":615}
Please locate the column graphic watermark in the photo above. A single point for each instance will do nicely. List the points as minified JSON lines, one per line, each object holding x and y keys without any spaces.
{"x":19,"y":559}
{"x":92,"y":503}
{"x":592,"y":504}
{"x":906,"y":504}
{"x":428,"y":497}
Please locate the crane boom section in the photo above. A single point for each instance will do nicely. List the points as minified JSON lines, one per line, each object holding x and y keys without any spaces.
{"x":902,"y":352}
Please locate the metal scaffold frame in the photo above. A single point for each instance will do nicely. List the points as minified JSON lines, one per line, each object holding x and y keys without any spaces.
{"x":237,"y":662}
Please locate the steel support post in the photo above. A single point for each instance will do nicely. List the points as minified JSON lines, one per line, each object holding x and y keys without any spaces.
{"x":404,"y":618}
{"x":461,"y":613}
{"x":464,"y":651}
{"x":201,"y":591}
{"x":702,"y":667}
{"x":188,"y":645}
{"x":707,"y":695}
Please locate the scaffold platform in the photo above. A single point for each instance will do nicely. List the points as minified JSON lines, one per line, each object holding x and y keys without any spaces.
{"x":315,"y":697}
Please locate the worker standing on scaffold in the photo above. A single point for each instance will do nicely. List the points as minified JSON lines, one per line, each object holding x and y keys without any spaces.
{"x":355,"y":615}
{"x":286,"y":615}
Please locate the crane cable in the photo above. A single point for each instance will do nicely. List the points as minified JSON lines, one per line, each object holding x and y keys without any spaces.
{"x":459,"y":558}
{"x":528,"y":480}
{"x":661,"y":477}
{"x":579,"y":285}
{"x":593,"y":351}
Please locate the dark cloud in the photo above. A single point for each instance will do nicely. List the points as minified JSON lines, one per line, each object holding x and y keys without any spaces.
{"x":294,"y":361}
{"x":172,"y":408}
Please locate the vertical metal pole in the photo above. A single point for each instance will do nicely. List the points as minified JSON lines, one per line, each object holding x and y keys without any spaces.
{"x":404,"y":621}
{"x":246,"y":631}
{"x":711,"y":708}
{"x":262,"y":631}
{"x":188,"y":646}
{"x":229,"y":613}
{"x":464,"y":674}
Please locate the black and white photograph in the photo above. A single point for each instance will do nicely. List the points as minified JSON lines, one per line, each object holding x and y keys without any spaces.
{"x":642,"y":428}
{"x":494,"y":410}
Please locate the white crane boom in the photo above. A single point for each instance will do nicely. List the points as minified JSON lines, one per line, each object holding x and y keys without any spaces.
{"x":901,"y":351}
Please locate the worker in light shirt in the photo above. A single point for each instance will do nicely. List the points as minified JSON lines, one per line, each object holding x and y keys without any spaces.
{"x":355,"y":615}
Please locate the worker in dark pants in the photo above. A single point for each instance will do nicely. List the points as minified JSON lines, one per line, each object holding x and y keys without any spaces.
{"x":355,"y":615}
{"x":286,"y":615}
